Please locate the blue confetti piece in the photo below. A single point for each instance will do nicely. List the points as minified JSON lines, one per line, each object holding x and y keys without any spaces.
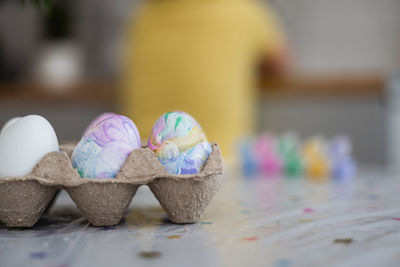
{"x":283,"y":263}
{"x":38,"y":255}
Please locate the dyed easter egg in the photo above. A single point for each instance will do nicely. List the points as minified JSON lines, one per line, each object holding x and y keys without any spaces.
{"x":179,"y":143}
{"x":98,"y":119}
{"x":104,"y":148}
{"x":23,"y":143}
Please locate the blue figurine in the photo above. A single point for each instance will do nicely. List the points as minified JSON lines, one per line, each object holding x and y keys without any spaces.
{"x":344,"y":166}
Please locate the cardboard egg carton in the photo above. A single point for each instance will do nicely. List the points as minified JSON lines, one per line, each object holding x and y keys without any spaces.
{"x":104,"y":202}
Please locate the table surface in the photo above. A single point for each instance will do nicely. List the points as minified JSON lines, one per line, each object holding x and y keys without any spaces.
{"x":280,"y":222}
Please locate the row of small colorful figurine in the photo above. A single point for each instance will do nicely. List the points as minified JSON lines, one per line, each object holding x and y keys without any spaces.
{"x":286,"y":155}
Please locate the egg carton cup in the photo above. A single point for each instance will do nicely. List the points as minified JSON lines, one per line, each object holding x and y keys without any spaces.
{"x":104,"y":202}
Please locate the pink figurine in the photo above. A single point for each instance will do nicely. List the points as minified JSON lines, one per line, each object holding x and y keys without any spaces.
{"x":269,"y":161}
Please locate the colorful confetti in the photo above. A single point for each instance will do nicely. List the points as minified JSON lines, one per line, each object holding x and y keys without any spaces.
{"x":305,"y":220}
{"x":173,"y":236}
{"x":205,"y":222}
{"x":343,"y":240}
{"x":250,"y":239}
{"x":283,"y":263}
{"x":396,"y":219}
{"x":38,"y":255}
{"x":308,"y":210}
{"x":149,"y":254}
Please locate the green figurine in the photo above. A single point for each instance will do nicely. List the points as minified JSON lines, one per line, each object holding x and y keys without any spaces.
{"x":289,"y":150}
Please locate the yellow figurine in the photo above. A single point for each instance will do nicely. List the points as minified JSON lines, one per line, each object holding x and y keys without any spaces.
{"x":317,"y":163}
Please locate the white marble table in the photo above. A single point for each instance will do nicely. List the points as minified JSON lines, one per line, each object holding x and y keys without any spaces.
{"x":280,"y":222}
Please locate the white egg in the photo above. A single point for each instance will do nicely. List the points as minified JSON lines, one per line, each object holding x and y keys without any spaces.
{"x":23,"y":143}
{"x":9,"y":122}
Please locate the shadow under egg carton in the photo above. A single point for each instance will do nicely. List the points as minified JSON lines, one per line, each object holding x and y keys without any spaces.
{"x":104,"y":202}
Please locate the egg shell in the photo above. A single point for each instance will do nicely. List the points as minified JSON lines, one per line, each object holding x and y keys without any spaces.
{"x":104,"y":148}
{"x":23,"y":143}
{"x":9,"y":122}
{"x":98,"y":119}
{"x":179,"y":143}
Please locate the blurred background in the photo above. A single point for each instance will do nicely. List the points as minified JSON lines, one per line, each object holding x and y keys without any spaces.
{"x":344,"y":60}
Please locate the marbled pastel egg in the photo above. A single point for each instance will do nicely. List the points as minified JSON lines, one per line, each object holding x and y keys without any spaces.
{"x":179,"y":143}
{"x":104,"y":148}
{"x":98,"y":119}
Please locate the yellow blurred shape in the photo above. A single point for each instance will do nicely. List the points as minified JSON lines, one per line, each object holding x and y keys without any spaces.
{"x":197,"y":56}
{"x":318,"y":169}
{"x":173,"y":236}
{"x":316,"y":162}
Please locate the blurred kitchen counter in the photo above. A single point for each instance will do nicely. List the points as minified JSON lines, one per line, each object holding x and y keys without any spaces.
{"x":90,"y":93}
{"x":344,"y":85}
{"x":104,"y":92}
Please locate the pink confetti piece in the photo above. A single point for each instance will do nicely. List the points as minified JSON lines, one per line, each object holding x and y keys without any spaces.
{"x":250,"y":239}
{"x":396,"y":219}
{"x":308,"y":210}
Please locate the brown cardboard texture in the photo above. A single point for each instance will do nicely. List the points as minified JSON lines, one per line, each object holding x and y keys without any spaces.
{"x":104,"y":202}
